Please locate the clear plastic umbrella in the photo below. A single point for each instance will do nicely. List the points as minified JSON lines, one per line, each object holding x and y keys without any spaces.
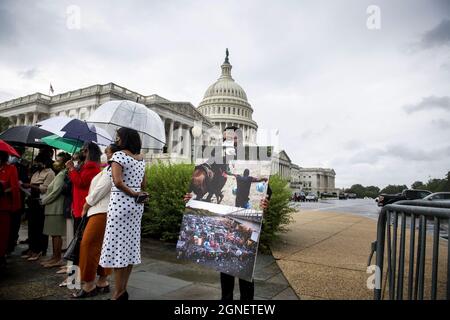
{"x":113,"y":115}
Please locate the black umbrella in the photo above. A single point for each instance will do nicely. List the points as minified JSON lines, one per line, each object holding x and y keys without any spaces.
{"x":29,"y":136}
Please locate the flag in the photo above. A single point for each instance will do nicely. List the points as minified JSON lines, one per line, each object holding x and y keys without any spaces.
{"x":51,"y":89}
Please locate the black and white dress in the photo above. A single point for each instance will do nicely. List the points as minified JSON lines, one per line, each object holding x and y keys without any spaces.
{"x":122,"y":241}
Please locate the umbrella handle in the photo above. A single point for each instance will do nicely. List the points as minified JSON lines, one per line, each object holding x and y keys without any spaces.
{"x":74,"y":148}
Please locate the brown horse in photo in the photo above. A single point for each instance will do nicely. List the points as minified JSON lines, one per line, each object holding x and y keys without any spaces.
{"x":208,"y":179}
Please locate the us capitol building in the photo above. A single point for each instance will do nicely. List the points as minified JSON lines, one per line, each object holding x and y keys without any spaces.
{"x":224,"y":104}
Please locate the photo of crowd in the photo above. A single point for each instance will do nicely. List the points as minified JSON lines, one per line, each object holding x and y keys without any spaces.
{"x":226,"y":243}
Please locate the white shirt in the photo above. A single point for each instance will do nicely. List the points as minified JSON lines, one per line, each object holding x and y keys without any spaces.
{"x":99,"y":192}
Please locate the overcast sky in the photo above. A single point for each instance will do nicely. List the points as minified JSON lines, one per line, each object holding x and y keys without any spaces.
{"x":374,"y":104}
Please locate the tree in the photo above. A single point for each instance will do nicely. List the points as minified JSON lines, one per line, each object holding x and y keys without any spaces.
{"x":436,"y":185}
{"x":447,"y":182}
{"x":417,"y":185}
{"x":372,"y":191}
{"x":4,"y":123}
{"x":391,"y":189}
{"x":357,"y":189}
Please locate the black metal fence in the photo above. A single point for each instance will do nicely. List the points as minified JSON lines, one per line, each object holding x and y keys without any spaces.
{"x":405,"y":277}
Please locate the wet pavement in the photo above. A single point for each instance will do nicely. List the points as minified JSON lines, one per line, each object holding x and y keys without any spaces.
{"x":362,"y":207}
{"x":160,"y":276}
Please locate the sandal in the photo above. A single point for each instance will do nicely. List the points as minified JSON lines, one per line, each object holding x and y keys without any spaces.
{"x":62,"y":270}
{"x":35,"y":257}
{"x":84,"y":294}
{"x":47,"y":261}
{"x":54,"y":264}
{"x":103,"y":290}
{"x":63,"y":284}
{"x":26,"y":254}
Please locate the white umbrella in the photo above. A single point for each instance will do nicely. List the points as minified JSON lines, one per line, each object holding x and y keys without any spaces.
{"x":113,"y":115}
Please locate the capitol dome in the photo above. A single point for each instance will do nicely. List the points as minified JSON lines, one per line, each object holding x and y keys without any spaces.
{"x":225,"y":104}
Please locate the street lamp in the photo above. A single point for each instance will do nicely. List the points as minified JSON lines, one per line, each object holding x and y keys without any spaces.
{"x":196,"y":132}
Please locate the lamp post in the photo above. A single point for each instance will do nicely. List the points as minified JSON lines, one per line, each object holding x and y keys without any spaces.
{"x":196,"y":132}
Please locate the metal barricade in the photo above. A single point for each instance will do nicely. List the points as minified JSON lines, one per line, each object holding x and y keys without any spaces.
{"x":389,"y":239}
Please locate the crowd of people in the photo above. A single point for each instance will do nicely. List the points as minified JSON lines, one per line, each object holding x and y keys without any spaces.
{"x":58,"y":194}
{"x":222,"y":241}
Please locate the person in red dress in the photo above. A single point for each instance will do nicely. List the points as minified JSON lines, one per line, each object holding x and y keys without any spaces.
{"x":81,"y":179}
{"x":9,"y":201}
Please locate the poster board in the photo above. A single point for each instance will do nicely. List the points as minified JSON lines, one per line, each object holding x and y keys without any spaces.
{"x":221,"y":224}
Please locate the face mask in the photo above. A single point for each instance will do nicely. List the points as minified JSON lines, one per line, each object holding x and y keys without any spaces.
{"x":75,"y":163}
{"x":103,"y":158}
{"x":58,"y":166}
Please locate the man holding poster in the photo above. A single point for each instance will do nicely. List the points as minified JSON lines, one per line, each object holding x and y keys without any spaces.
{"x":222,"y":221}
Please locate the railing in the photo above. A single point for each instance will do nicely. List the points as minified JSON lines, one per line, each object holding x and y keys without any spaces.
{"x":395,"y":245}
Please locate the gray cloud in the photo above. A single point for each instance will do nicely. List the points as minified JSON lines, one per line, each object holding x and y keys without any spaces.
{"x":7,"y":26}
{"x":438,"y":36}
{"x":431,"y":102}
{"x":29,"y":73}
{"x":398,"y":151}
{"x":367,"y":156}
{"x":353,"y":144}
{"x":5,"y":96}
{"x":441,"y":124}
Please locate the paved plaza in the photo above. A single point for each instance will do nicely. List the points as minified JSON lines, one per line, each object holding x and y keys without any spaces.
{"x":160,"y":276}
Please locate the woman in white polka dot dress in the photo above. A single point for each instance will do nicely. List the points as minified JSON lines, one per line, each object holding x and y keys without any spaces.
{"x":122,"y":242}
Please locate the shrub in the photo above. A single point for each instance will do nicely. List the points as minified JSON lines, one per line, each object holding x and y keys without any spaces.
{"x":166,"y":184}
{"x":278,"y":215}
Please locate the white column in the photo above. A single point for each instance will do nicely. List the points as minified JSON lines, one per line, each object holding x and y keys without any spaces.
{"x":26,"y":119}
{"x":35,"y":117}
{"x":187,"y":142}
{"x":170,"y":137}
{"x":18,"y":120}
{"x":180,"y":135}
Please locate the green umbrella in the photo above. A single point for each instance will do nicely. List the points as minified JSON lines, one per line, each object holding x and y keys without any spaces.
{"x":68,"y":145}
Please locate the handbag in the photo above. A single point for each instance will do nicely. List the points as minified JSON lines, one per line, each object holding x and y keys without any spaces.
{"x":73,"y":249}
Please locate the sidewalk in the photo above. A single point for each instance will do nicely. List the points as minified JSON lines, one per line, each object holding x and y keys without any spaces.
{"x":325,"y":254}
{"x":160,"y":276}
